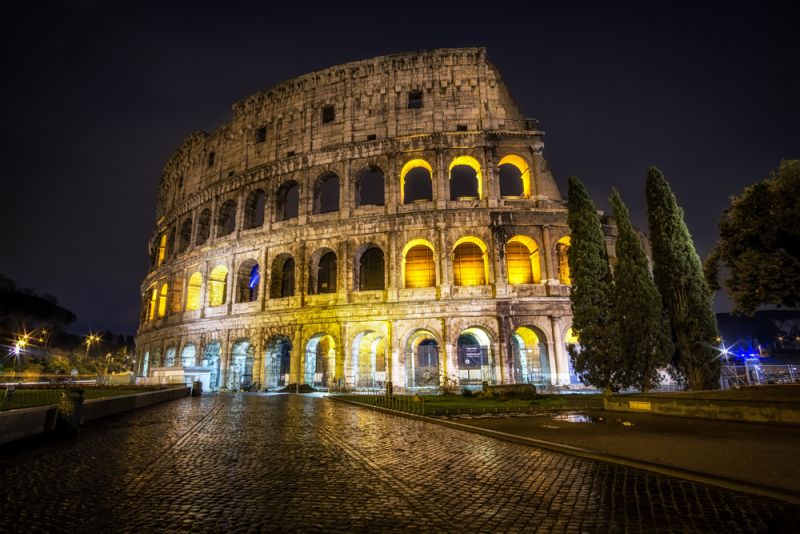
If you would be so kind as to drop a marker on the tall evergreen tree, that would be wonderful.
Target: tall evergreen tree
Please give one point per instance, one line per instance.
(679, 276)
(641, 328)
(597, 360)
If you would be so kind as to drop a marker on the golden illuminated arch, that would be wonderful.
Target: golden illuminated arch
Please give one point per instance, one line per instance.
(570, 338)
(151, 312)
(218, 286)
(419, 267)
(469, 161)
(162, 249)
(193, 292)
(524, 169)
(522, 260)
(408, 167)
(470, 265)
(564, 276)
(162, 300)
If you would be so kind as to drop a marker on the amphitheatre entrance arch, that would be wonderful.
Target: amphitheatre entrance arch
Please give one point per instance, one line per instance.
(320, 364)
(530, 360)
(240, 370)
(368, 365)
(422, 360)
(277, 362)
(211, 356)
(473, 349)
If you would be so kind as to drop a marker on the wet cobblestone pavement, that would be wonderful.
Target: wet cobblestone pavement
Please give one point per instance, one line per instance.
(250, 463)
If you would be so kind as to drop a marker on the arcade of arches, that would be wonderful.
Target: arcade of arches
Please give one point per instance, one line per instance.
(368, 355)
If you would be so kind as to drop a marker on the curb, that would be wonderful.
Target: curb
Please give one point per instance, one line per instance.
(693, 476)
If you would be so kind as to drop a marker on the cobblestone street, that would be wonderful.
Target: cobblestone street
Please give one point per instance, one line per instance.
(251, 462)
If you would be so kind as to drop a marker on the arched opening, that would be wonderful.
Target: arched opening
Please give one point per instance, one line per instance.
(254, 209)
(465, 178)
(177, 294)
(571, 340)
(155, 358)
(211, 359)
(248, 279)
(287, 201)
(419, 269)
(322, 274)
(277, 362)
(171, 242)
(416, 183)
(529, 359)
(371, 268)
(562, 250)
(162, 249)
(240, 370)
(422, 360)
(226, 222)
(326, 193)
(218, 286)
(282, 279)
(370, 183)
(189, 355)
(369, 361)
(474, 357)
(469, 262)
(185, 236)
(203, 227)
(193, 292)
(320, 364)
(151, 311)
(522, 261)
(162, 300)
(169, 357)
(515, 177)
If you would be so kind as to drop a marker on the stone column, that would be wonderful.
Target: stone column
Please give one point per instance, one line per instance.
(297, 360)
(551, 277)
(562, 365)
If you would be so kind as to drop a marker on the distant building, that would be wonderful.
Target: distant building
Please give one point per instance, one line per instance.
(391, 219)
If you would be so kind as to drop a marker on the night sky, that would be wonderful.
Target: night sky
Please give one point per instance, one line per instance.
(97, 97)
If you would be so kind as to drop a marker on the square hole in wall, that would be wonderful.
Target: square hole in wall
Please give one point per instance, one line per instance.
(261, 134)
(461, 127)
(212, 156)
(328, 114)
(414, 99)
(371, 137)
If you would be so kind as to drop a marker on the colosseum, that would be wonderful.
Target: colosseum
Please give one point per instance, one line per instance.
(385, 221)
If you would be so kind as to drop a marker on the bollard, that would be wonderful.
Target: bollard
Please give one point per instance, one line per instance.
(70, 410)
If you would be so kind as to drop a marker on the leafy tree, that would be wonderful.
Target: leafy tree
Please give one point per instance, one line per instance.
(597, 360)
(678, 274)
(641, 328)
(759, 243)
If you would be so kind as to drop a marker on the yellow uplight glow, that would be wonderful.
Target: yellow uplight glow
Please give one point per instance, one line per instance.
(408, 167)
(524, 169)
(564, 276)
(522, 261)
(470, 267)
(419, 269)
(469, 161)
(218, 286)
(193, 292)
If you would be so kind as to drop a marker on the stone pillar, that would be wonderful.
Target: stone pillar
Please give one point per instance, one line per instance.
(551, 276)
(562, 365)
(297, 363)
(224, 360)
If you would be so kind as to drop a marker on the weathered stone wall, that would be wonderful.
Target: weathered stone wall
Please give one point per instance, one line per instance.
(466, 111)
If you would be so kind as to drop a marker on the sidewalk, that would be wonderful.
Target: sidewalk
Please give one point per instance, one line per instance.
(751, 453)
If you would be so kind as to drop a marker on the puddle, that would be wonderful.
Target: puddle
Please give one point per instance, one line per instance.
(577, 417)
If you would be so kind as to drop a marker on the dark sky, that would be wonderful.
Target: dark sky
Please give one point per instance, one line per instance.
(97, 97)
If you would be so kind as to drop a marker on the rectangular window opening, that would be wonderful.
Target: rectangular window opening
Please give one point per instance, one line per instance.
(211, 157)
(261, 134)
(415, 100)
(371, 137)
(328, 114)
(461, 127)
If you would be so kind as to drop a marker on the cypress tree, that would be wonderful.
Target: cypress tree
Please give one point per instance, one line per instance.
(641, 328)
(597, 360)
(678, 274)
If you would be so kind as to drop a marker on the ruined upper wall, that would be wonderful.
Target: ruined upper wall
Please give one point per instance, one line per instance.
(460, 90)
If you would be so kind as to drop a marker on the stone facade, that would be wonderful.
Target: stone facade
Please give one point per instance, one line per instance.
(390, 219)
